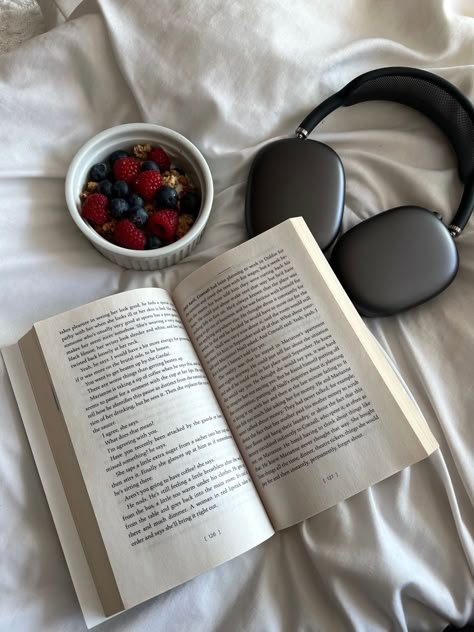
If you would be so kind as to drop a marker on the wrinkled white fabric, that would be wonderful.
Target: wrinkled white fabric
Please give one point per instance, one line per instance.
(232, 76)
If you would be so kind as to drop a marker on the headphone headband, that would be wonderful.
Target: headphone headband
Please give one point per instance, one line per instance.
(426, 92)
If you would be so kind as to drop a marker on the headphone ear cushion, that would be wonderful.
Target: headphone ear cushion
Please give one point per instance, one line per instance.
(291, 178)
(395, 260)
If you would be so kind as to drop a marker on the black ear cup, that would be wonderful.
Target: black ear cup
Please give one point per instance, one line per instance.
(291, 178)
(395, 260)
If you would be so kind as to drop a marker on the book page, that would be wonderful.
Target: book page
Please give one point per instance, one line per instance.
(169, 490)
(317, 410)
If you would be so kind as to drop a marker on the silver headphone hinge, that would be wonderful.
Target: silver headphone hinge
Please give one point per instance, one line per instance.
(301, 133)
(454, 230)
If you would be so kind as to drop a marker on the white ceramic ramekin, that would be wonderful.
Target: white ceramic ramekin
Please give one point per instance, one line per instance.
(180, 149)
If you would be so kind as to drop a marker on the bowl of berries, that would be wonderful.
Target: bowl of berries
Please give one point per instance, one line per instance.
(141, 193)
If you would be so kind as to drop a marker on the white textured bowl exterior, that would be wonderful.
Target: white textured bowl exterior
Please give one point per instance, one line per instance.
(151, 262)
(181, 150)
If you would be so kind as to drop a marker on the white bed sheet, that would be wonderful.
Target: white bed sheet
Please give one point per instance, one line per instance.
(232, 76)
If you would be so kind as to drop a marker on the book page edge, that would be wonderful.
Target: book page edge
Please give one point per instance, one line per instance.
(75, 559)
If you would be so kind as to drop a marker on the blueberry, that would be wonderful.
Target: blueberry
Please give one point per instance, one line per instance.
(120, 153)
(105, 187)
(120, 189)
(134, 200)
(138, 216)
(166, 197)
(119, 208)
(190, 203)
(99, 172)
(153, 242)
(149, 165)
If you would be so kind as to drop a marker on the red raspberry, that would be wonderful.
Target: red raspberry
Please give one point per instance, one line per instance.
(159, 155)
(126, 169)
(96, 208)
(163, 224)
(128, 235)
(147, 184)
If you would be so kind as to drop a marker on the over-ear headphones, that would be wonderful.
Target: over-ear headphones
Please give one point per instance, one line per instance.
(400, 257)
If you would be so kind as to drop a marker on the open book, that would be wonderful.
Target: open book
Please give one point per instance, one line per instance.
(174, 432)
